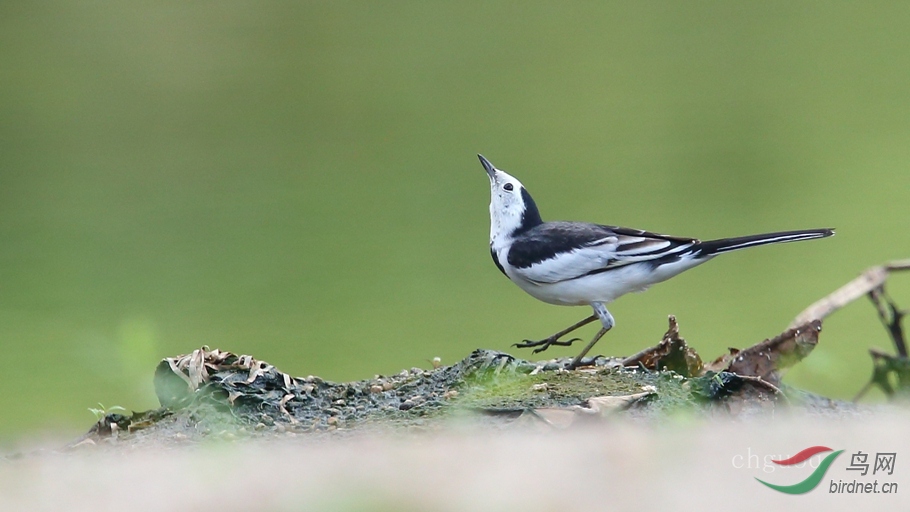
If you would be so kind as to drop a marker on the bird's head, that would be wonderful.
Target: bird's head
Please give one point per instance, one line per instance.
(511, 208)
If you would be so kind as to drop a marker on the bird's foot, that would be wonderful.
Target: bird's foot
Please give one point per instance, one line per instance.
(545, 344)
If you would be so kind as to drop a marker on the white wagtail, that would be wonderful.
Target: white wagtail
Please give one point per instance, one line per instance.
(577, 263)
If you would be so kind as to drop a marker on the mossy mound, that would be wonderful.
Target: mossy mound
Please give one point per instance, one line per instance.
(214, 394)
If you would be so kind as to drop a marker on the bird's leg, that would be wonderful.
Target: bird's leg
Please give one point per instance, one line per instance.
(554, 340)
(606, 319)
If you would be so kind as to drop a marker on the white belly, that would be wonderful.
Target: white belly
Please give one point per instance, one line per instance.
(603, 287)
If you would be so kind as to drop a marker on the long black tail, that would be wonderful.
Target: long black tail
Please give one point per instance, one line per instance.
(712, 247)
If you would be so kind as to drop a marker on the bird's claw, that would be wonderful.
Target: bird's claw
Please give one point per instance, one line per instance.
(545, 344)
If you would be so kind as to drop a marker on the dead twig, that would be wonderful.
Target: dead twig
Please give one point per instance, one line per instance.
(869, 280)
(887, 369)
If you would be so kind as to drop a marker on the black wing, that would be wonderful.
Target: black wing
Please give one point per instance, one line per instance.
(559, 251)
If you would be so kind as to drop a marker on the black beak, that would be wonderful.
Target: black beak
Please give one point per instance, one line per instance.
(488, 166)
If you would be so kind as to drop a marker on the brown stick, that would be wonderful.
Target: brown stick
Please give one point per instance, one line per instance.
(866, 282)
(575, 362)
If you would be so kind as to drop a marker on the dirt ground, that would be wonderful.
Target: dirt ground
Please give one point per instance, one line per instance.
(685, 462)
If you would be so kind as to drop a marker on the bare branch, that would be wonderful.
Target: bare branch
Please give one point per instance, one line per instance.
(869, 280)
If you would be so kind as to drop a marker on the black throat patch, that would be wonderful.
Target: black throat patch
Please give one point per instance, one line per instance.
(531, 216)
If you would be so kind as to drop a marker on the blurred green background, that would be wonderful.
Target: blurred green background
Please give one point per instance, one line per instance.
(298, 180)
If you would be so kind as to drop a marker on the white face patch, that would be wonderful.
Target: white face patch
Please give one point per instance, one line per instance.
(506, 206)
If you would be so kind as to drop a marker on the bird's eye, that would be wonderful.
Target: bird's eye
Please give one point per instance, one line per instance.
(507, 186)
